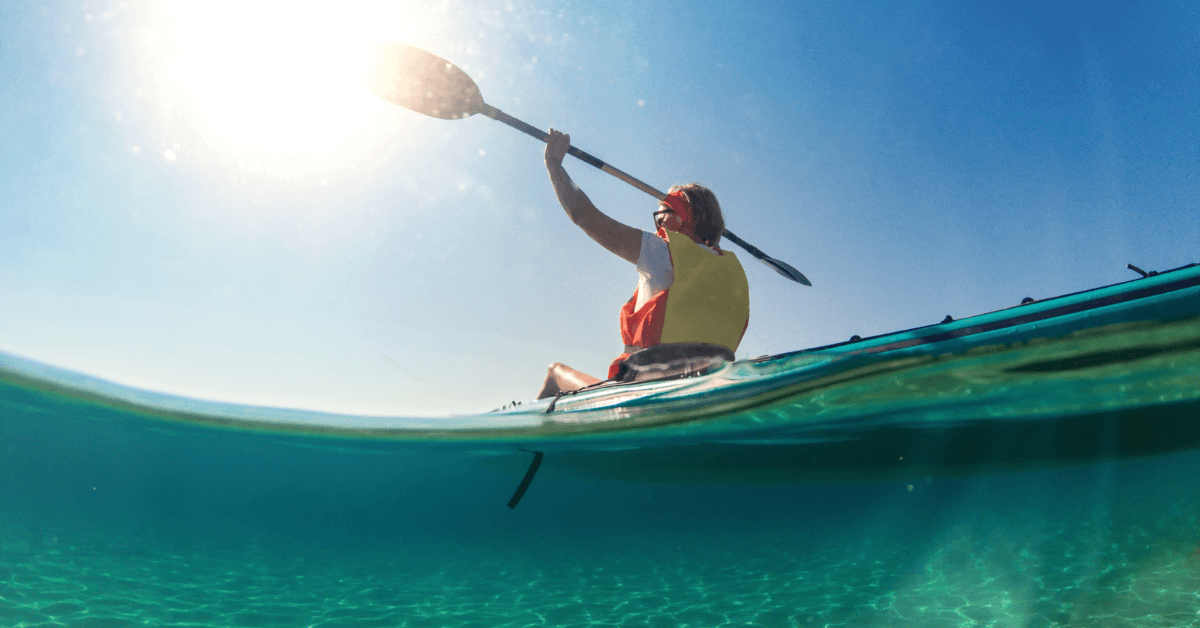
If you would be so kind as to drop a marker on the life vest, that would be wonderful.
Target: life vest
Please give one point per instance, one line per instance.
(709, 301)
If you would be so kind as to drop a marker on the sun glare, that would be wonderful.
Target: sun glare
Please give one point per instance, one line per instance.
(276, 86)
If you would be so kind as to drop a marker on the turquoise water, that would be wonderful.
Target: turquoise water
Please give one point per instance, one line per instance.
(1039, 483)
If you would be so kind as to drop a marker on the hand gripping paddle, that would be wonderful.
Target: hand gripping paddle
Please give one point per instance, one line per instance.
(428, 84)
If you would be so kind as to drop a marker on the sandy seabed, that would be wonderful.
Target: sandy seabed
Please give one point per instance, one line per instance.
(978, 573)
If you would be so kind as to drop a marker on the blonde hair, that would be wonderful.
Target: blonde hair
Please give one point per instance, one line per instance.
(707, 221)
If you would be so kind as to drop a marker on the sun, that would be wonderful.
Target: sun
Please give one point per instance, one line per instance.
(276, 86)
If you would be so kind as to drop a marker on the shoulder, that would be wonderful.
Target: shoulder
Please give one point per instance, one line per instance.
(655, 255)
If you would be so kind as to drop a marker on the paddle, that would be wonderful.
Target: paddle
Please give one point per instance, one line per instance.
(428, 84)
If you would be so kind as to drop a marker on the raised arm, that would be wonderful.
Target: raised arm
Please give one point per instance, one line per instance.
(619, 238)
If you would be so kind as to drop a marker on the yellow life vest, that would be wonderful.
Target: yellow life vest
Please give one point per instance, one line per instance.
(709, 301)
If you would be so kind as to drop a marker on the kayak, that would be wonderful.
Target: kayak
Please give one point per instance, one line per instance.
(1102, 374)
(1158, 297)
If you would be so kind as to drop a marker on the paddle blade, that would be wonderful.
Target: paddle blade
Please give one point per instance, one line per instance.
(785, 269)
(423, 82)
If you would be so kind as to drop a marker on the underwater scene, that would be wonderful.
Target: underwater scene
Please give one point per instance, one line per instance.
(1049, 482)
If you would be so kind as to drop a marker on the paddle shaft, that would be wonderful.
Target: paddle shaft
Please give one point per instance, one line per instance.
(525, 127)
(528, 129)
(587, 158)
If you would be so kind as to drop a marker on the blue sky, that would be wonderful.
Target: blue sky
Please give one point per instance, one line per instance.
(201, 198)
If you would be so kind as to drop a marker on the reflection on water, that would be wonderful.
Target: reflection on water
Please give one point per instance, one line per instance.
(1038, 484)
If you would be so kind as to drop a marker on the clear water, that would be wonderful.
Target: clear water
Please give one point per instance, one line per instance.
(1050, 483)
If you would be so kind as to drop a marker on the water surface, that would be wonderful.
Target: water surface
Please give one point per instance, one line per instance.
(1035, 484)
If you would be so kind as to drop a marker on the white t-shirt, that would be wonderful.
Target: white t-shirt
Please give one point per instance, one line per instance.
(655, 273)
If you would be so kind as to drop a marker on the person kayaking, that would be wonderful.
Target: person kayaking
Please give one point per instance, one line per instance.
(689, 290)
